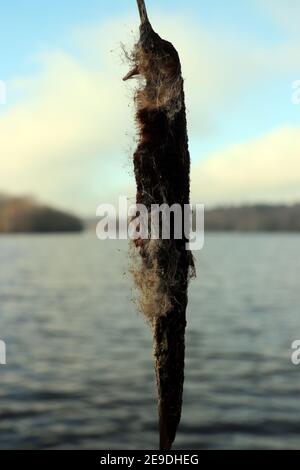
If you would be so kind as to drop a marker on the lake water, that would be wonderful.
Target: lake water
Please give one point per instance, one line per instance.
(80, 372)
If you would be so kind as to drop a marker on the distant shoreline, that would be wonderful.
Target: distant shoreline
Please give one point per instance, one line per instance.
(24, 215)
(260, 218)
(254, 218)
(21, 215)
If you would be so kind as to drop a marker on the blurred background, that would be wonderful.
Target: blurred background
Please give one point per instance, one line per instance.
(79, 371)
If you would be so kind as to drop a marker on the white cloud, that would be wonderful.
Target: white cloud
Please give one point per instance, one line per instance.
(65, 138)
(266, 169)
(70, 118)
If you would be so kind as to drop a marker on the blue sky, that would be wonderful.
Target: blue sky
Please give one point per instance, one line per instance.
(64, 89)
(27, 27)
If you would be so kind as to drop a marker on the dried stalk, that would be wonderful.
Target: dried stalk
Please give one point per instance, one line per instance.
(162, 171)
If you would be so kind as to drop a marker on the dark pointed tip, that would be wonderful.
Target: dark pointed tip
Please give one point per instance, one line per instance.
(165, 440)
(133, 73)
(143, 11)
(164, 443)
